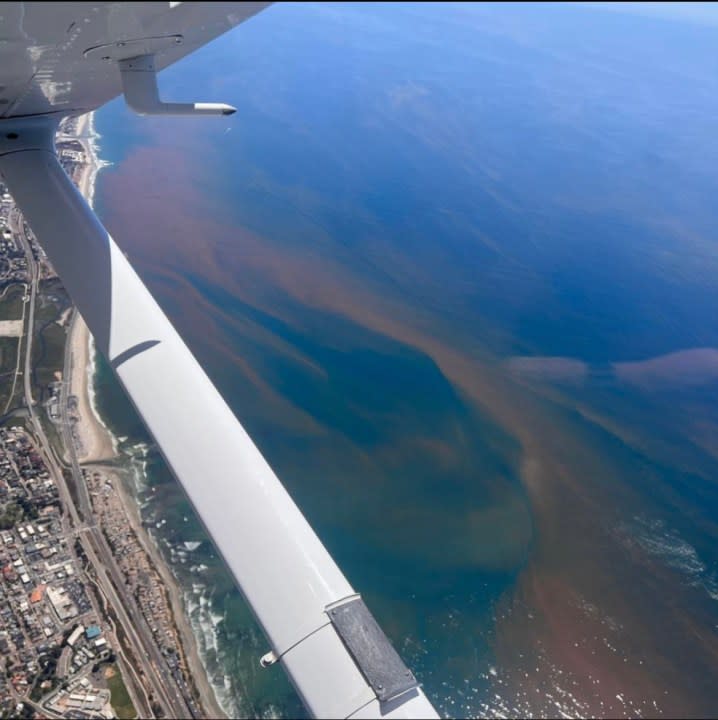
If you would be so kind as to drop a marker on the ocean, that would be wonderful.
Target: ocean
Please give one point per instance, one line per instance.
(454, 268)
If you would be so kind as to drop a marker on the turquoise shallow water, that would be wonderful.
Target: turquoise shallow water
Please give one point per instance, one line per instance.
(396, 527)
(392, 260)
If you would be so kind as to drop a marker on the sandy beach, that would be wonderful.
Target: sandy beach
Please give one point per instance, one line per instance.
(95, 443)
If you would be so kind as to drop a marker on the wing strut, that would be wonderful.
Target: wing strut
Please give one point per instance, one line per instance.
(341, 663)
(139, 84)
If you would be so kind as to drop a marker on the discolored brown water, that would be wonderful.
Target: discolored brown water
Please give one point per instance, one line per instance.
(456, 275)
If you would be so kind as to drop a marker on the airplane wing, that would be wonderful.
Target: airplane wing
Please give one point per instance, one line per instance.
(59, 59)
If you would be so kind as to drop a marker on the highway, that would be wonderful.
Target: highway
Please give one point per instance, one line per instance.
(109, 579)
(55, 467)
(132, 621)
(34, 272)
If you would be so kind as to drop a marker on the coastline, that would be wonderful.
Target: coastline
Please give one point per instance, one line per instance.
(97, 444)
(208, 700)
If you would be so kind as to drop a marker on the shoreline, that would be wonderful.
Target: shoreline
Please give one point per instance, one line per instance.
(98, 444)
(187, 638)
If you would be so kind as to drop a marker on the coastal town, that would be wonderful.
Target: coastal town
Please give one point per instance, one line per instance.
(91, 622)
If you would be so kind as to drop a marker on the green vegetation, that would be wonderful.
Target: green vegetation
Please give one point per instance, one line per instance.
(51, 431)
(8, 356)
(14, 512)
(11, 302)
(120, 698)
(46, 681)
(29, 510)
(8, 363)
(11, 306)
(48, 355)
(48, 350)
(17, 419)
(11, 514)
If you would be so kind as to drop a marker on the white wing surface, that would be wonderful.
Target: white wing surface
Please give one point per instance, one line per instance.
(64, 58)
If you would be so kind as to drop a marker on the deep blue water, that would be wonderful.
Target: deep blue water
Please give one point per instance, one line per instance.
(485, 181)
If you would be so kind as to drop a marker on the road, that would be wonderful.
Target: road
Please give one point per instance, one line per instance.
(33, 271)
(15, 225)
(132, 621)
(55, 467)
(109, 578)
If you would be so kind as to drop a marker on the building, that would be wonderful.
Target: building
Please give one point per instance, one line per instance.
(92, 632)
(62, 604)
(75, 635)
